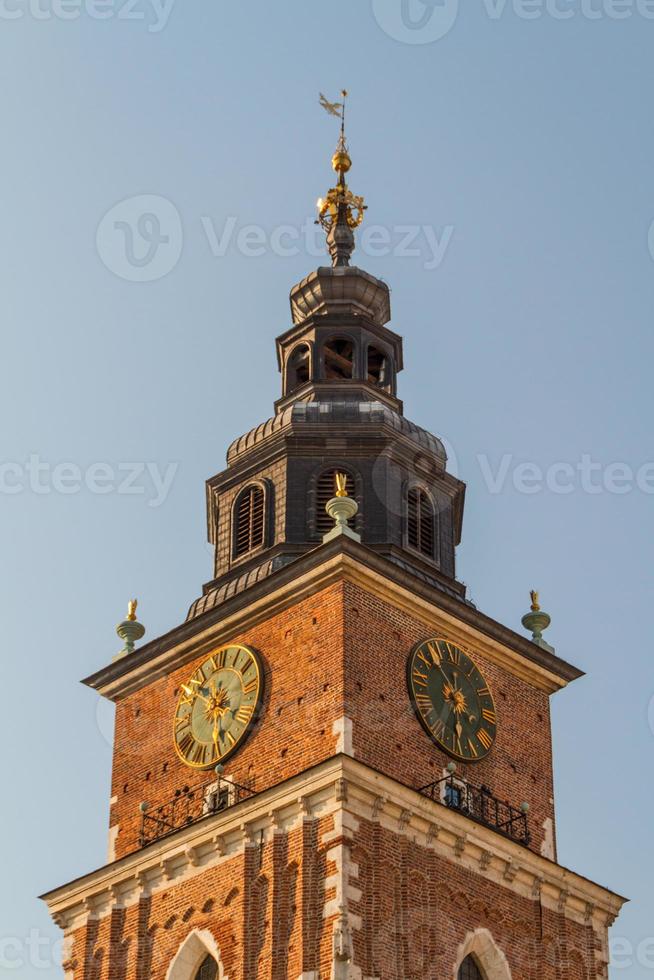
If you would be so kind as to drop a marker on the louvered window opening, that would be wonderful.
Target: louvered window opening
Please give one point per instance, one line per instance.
(249, 521)
(420, 522)
(208, 970)
(325, 490)
(469, 970)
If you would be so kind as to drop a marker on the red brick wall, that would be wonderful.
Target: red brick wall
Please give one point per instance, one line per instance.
(388, 736)
(265, 910)
(342, 651)
(302, 653)
(418, 908)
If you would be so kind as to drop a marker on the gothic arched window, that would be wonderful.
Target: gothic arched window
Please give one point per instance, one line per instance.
(298, 370)
(420, 522)
(469, 970)
(208, 970)
(339, 359)
(249, 520)
(378, 367)
(325, 490)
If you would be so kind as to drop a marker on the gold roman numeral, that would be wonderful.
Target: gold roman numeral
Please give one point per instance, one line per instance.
(419, 678)
(250, 687)
(473, 749)
(483, 692)
(435, 654)
(484, 738)
(244, 714)
(186, 743)
(438, 728)
(489, 716)
(454, 654)
(230, 738)
(197, 753)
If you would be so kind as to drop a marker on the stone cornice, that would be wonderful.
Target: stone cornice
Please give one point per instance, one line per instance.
(339, 785)
(338, 561)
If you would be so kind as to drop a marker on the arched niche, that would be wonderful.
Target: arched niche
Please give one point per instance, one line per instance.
(191, 955)
(249, 512)
(298, 367)
(490, 959)
(378, 366)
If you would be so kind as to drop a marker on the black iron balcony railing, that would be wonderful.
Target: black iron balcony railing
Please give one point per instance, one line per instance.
(479, 804)
(189, 805)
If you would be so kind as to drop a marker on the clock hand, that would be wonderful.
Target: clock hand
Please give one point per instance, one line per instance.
(216, 732)
(191, 694)
(458, 729)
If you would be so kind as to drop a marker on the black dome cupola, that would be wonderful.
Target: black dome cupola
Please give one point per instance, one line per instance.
(338, 412)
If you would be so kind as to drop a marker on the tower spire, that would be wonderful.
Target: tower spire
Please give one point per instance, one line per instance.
(341, 211)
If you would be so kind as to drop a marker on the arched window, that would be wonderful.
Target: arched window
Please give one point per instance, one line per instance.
(339, 359)
(298, 370)
(325, 490)
(378, 367)
(469, 970)
(249, 520)
(420, 522)
(208, 969)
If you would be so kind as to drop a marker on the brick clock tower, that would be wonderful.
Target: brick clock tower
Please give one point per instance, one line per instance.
(336, 767)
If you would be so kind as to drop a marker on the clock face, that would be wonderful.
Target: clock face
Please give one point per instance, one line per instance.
(217, 706)
(452, 699)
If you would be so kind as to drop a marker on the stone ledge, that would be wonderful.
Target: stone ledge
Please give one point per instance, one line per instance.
(351, 792)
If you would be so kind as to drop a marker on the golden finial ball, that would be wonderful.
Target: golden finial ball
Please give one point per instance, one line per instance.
(341, 162)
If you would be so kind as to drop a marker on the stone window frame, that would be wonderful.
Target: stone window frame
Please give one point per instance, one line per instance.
(191, 954)
(490, 958)
(267, 487)
(452, 780)
(339, 465)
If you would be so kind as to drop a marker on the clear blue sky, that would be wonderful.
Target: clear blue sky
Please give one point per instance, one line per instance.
(525, 147)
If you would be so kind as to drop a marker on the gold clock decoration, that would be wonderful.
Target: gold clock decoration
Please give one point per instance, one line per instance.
(452, 699)
(218, 706)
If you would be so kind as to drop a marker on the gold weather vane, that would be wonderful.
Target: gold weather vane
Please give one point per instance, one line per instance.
(333, 108)
(341, 211)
